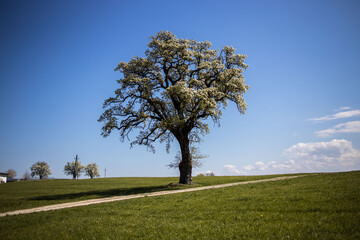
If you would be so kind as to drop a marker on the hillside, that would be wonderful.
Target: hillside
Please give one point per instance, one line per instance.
(323, 206)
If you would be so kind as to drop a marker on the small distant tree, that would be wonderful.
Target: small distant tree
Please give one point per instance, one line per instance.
(11, 172)
(26, 176)
(209, 174)
(41, 169)
(74, 168)
(92, 170)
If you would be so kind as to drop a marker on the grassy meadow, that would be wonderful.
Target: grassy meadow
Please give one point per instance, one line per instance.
(323, 206)
(29, 194)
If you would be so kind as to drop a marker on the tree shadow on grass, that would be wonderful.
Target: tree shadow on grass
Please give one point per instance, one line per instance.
(106, 193)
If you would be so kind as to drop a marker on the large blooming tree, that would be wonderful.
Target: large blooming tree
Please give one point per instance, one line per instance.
(170, 93)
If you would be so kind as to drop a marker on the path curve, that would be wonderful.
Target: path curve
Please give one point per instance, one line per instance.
(126, 197)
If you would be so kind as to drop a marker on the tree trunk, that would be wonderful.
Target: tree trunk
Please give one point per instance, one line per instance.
(185, 166)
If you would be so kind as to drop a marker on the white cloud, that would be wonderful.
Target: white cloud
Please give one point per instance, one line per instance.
(323, 156)
(231, 170)
(342, 109)
(339, 115)
(260, 168)
(348, 127)
(335, 155)
(270, 167)
(248, 168)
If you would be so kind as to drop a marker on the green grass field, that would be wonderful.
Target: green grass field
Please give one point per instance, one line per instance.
(323, 206)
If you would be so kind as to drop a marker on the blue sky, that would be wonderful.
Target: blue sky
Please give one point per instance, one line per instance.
(56, 69)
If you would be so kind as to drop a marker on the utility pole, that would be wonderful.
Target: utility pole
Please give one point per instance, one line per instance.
(105, 172)
(76, 166)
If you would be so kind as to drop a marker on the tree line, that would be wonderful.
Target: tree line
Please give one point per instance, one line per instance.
(75, 168)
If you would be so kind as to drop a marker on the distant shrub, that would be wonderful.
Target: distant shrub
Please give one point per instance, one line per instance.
(209, 174)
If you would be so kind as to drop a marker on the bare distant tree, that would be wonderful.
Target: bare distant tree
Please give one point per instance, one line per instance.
(26, 176)
(195, 156)
(11, 172)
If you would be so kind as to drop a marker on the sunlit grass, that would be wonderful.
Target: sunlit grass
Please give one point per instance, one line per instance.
(324, 206)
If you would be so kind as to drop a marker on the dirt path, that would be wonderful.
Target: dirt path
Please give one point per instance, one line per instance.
(120, 198)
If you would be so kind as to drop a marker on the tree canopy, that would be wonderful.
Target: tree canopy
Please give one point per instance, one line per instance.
(172, 91)
(74, 168)
(92, 170)
(41, 169)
